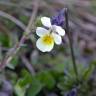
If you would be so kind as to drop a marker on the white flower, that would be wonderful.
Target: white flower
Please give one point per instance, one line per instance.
(48, 36)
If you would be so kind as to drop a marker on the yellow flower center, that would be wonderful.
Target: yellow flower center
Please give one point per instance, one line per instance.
(47, 39)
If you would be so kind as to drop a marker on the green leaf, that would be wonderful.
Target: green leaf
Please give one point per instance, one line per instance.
(94, 63)
(88, 71)
(13, 63)
(47, 79)
(26, 78)
(66, 83)
(19, 90)
(34, 88)
(9, 24)
(4, 40)
(23, 83)
(38, 22)
(24, 19)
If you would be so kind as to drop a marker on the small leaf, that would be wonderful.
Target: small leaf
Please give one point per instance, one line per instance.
(19, 90)
(4, 40)
(34, 88)
(47, 79)
(38, 22)
(9, 24)
(66, 83)
(26, 78)
(88, 71)
(24, 19)
(13, 63)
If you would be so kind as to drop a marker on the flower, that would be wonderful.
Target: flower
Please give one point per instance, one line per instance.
(58, 19)
(49, 35)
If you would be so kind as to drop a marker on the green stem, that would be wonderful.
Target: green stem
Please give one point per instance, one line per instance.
(70, 42)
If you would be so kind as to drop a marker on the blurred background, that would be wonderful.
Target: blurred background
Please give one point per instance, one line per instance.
(33, 73)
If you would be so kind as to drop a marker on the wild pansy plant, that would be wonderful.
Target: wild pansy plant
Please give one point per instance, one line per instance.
(49, 34)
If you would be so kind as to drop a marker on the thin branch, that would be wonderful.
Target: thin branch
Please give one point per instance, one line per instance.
(70, 42)
(13, 19)
(17, 47)
(33, 16)
(10, 4)
(28, 65)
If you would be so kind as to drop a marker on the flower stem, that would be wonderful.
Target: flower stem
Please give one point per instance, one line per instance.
(70, 42)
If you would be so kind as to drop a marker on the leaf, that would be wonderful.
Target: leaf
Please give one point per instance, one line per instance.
(26, 78)
(13, 63)
(4, 39)
(88, 71)
(9, 24)
(65, 83)
(24, 19)
(38, 22)
(34, 88)
(19, 90)
(47, 79)
(23, 83)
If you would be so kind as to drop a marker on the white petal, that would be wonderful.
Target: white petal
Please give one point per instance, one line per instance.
(46, 21)
(41, 31)
(57, 38)
(60, 30)
(43, 47)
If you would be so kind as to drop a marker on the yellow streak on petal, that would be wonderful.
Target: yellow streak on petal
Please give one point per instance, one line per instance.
(47, 39)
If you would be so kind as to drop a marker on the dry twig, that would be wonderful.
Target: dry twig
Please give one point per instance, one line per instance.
(28, 65)
(13, 19)
(10, 54)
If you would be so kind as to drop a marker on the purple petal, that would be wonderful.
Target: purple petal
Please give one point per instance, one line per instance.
(59, 19)
(73, 92)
